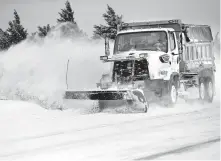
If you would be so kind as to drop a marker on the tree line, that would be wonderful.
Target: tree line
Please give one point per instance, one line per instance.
(15, 33)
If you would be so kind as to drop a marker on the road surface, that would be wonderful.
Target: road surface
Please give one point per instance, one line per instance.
(187, 131)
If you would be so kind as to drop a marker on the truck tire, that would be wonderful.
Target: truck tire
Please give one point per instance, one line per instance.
(206, 90)
(172, 95)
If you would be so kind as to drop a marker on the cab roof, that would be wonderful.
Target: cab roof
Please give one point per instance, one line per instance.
(143, 30)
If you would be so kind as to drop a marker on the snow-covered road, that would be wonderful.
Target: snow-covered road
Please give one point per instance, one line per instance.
(29, 132)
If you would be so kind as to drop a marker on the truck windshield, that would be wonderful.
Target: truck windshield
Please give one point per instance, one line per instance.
(151, 40)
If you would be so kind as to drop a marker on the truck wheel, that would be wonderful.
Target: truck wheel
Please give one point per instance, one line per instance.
(172, 94)
(206, 90)
(202, 89)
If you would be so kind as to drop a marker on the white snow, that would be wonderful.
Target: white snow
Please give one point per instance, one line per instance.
(30, 132)
(34, 133)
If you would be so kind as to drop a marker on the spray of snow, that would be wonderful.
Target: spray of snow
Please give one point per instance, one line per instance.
(37, 71)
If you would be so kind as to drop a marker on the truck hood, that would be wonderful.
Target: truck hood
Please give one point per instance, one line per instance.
(136, 54)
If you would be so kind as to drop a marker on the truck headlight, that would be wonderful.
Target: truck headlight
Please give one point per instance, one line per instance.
(164, 58)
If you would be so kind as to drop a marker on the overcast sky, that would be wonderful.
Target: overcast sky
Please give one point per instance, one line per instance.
(89, 12)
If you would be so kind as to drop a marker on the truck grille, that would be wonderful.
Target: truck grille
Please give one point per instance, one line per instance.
(123, 70)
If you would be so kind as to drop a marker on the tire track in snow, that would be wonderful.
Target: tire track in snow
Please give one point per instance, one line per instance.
(179, 150)
(70, 143)
(98, 127)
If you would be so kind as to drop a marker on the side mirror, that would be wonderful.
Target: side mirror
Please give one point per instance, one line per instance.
(107, 46)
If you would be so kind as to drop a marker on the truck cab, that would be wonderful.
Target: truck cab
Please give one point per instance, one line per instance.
(158, 45)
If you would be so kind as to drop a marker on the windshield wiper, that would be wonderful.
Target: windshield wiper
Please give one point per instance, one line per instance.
(147, 49)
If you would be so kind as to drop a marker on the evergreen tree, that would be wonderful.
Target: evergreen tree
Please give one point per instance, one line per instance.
(43, 31)
(67, 14)
(4, 40)
(112, 20)
(16, 31)
(70, 28)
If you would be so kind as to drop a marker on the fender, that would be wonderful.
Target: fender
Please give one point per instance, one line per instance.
(206, 72)
(173, 77)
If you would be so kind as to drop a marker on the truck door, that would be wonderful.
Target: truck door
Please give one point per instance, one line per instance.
(173, 48)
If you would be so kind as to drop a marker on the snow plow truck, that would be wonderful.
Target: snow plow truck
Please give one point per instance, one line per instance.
(156, 61)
